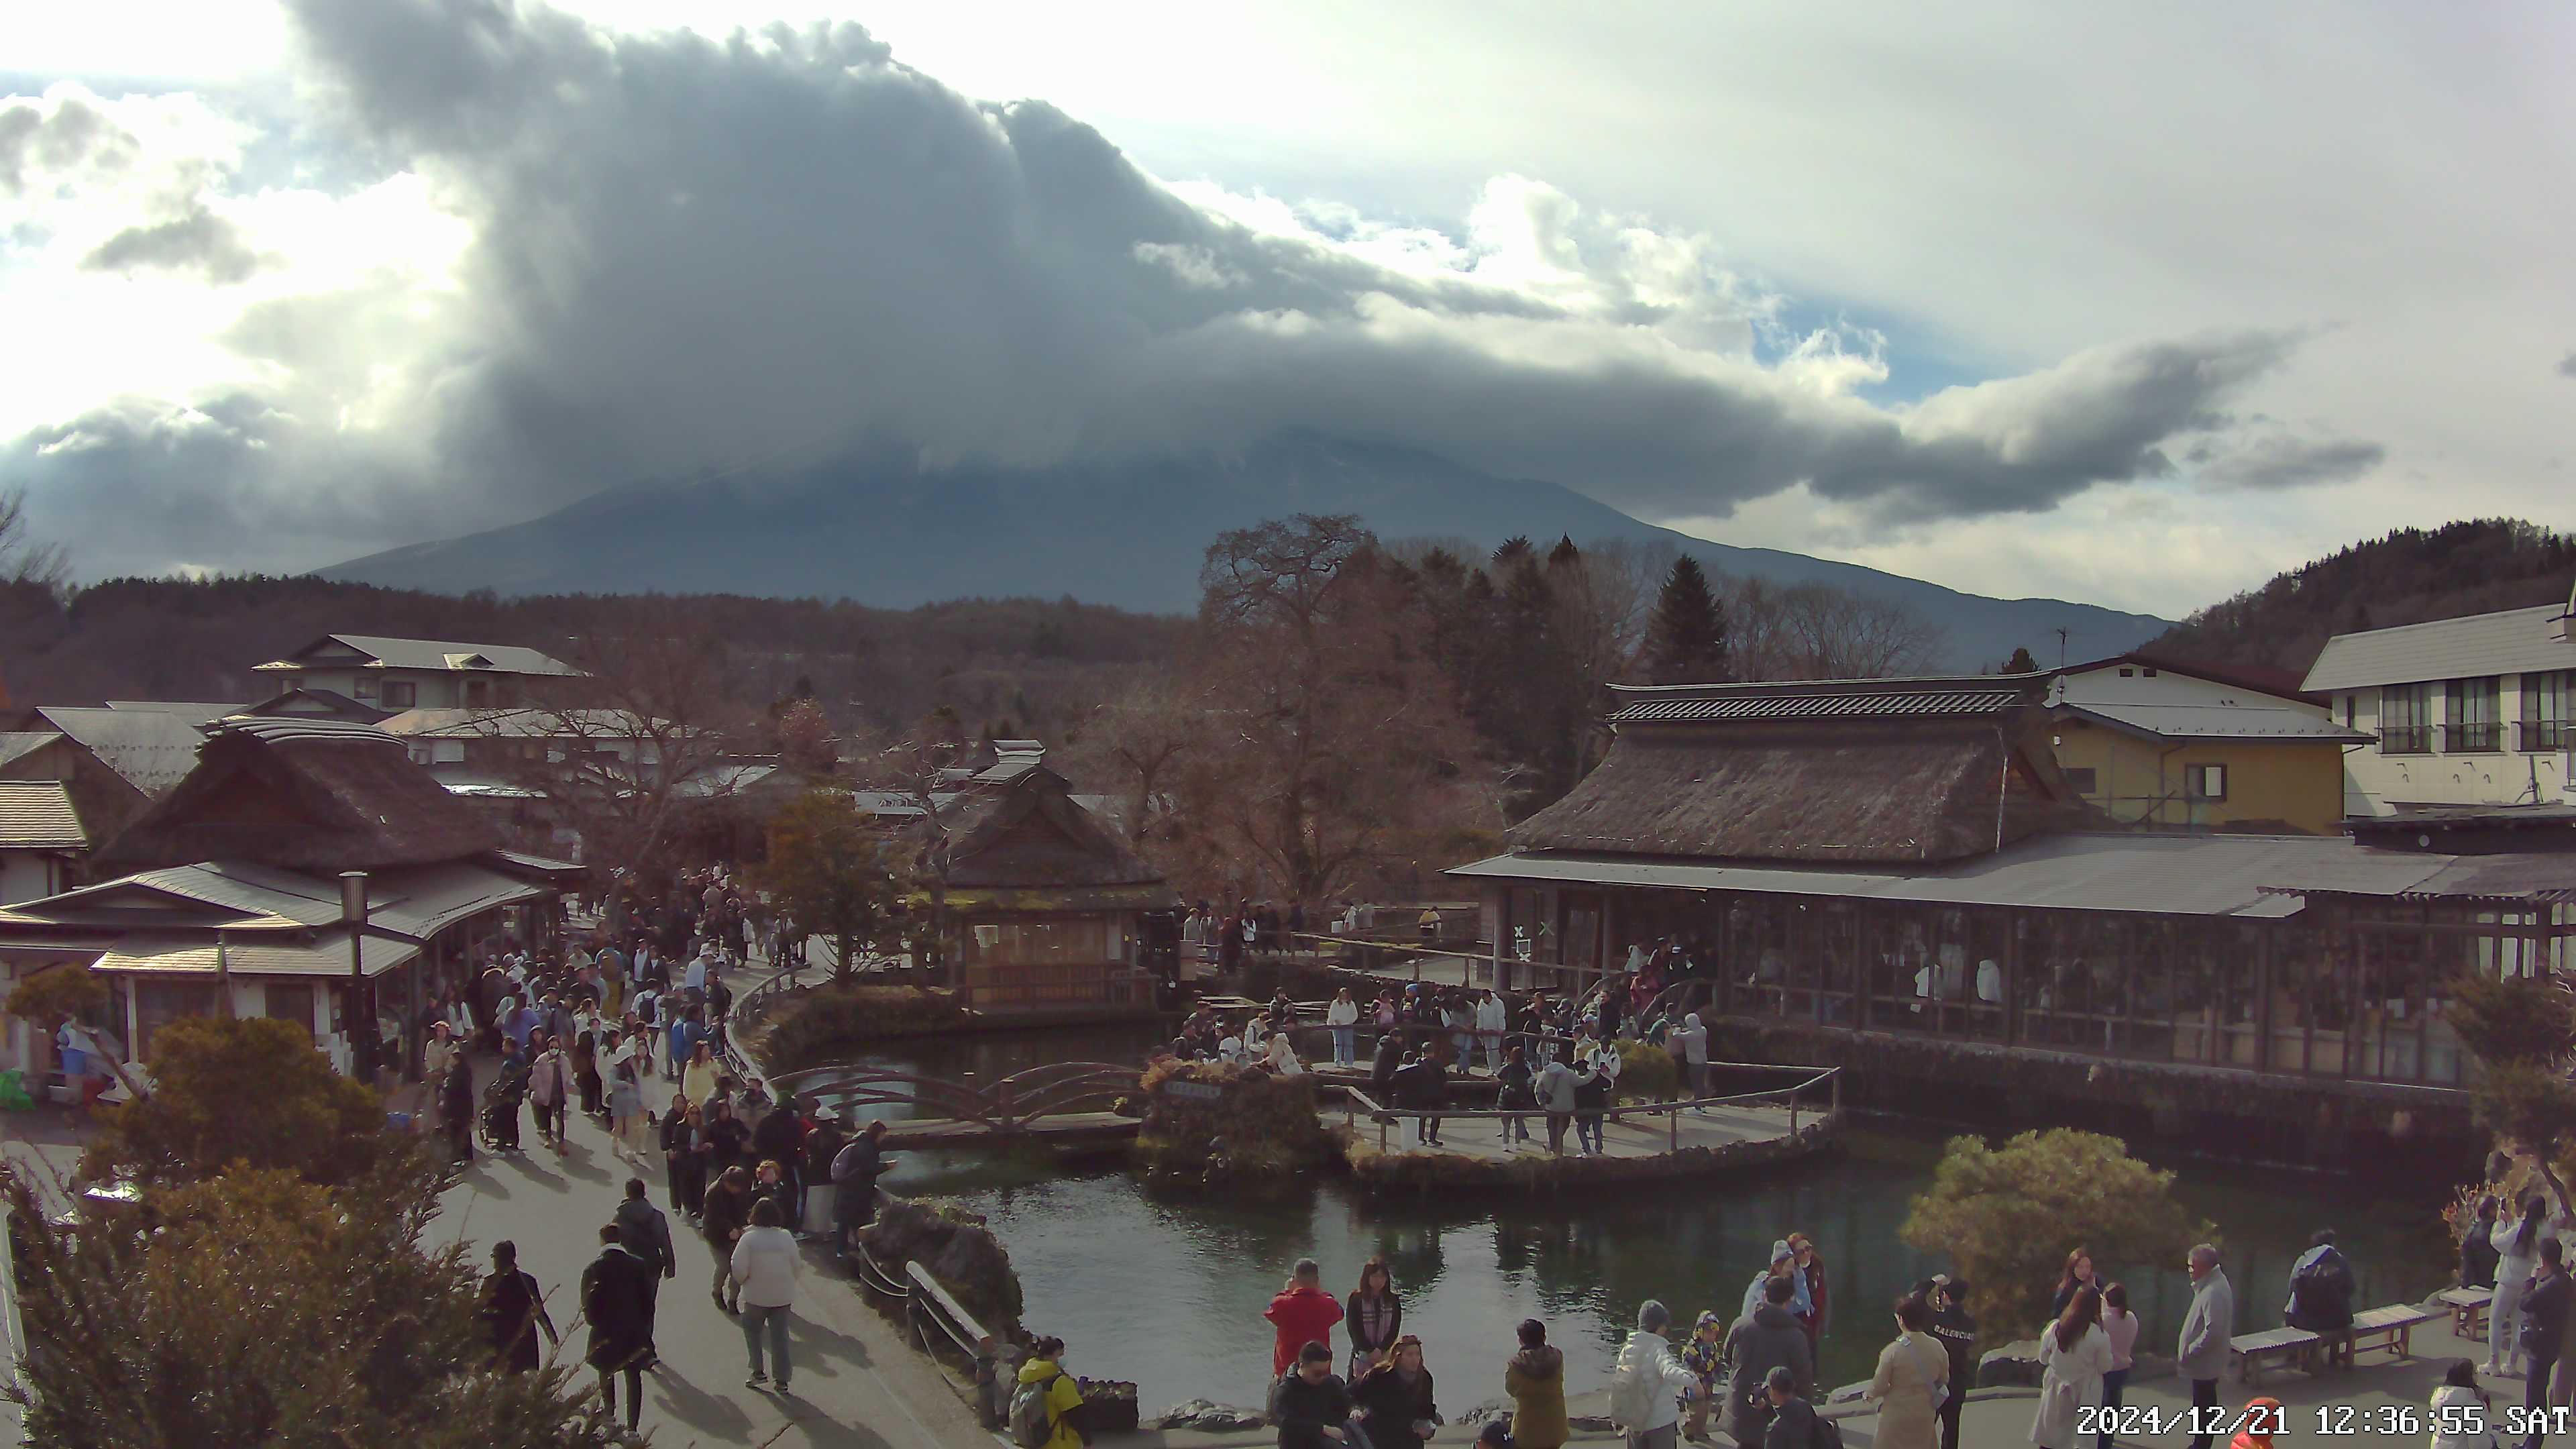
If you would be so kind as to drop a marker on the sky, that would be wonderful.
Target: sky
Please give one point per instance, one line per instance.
(2134, 307)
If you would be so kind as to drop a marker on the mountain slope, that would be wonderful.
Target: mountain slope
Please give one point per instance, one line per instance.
(2409, 576)
(874, 527)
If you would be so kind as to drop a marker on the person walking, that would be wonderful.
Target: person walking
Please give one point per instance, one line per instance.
(1397, 1404)
(513, 1309)
(725, 1212)
(1535, 1379)
(509, 1089)
(646, 1233)
(625, 1111)
(1310, 1406)
(2517, 1245)
(456, 1108)
(1592, 1094)
(1068, 1422)
(1648, 1385)
(1493, 1019)
(2120, 1328)
(549, 1090)
(1373, 1317)
(1912, 1376)
(2200, 1353)
(1343, 1017)
(1514, 1094)
(698, 1079)
(1956, 1330)
(1768, 1337)
(1688, 1043)
(855, 1170)
(2074, 1354)
(585, 1064)
(617, 1298)
(1556, 1089)
(764, 1264)
(1301, 1313)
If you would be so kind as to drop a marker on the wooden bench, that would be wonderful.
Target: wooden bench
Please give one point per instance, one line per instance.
(2391, 1329)
(2251, 1349)
(2468, 1310)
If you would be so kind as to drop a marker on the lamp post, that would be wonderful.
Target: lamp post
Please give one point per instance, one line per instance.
(362, 1025)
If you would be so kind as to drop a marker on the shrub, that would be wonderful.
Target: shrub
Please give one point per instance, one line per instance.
(1648, 1073)
(954, 1245)
(2008, 1216)
(1267, 1121)
(809, 1027)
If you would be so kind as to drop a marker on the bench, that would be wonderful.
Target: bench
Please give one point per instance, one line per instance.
(2468, 1308)
(2391, 1328)
(2251, 1349)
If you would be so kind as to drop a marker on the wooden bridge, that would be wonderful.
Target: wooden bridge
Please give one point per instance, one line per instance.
(1064, 1103)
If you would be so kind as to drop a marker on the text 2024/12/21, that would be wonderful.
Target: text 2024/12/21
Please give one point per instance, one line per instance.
(2509, 1421)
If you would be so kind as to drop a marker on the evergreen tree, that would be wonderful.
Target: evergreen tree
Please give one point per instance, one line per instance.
(2021, 663)
(1686, 638)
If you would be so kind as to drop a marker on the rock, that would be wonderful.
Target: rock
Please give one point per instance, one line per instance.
(1207, 1416)
(2015, 1365)
(1590, 1423)
(1477, 1417)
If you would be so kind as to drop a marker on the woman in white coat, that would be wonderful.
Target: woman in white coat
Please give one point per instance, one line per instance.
(2074, 1354)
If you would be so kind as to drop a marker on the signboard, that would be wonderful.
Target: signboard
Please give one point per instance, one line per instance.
(1182, 1090)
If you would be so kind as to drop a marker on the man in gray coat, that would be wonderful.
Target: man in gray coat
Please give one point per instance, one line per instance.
(2201, 1355)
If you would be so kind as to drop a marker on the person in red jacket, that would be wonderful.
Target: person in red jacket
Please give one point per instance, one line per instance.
(1303, 1313)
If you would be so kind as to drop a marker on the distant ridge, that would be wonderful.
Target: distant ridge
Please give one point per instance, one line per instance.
(876, 528)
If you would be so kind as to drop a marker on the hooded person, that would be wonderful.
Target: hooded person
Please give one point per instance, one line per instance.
(1535, 1378)
(1769, 1337)
(1647, 1362)
(2262, 1415)
(1705, 1357)
(1784, 1264)
(1688, 1043)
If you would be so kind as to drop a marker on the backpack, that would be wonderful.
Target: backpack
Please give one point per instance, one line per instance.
(1828, 1434)
(1632, 1392)
(2321, 1294)
(1032, 1418)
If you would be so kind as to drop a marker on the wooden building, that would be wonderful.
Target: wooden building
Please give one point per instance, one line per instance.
(1040, 908)
(1894, 874)
(231, 894)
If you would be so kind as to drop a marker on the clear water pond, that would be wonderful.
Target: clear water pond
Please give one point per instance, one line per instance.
(1167, 1290)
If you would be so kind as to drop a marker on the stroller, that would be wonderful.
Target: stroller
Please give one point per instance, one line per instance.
(498, 1123)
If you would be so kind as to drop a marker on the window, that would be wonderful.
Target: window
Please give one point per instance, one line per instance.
(2406, 719)
(2544, 710)
(2471, 721)
(2081, 781)
(2205, 782)
(2346, 701)
(365, 688)
(478, 693)
(290, 1001)
(399, 693)
(447, 752)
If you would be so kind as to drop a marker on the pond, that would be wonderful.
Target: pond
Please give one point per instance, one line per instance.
(1168, 1290)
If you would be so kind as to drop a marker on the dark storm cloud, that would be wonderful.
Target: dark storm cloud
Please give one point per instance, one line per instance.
(700, 253)
(198, 240)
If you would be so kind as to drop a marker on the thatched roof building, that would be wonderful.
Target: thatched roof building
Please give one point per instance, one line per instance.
(1018, 826)
(1848, 772)
(305, 795)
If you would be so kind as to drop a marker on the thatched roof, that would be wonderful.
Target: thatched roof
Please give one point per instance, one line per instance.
(1866, 790)
(1028, 831)
(306, 795)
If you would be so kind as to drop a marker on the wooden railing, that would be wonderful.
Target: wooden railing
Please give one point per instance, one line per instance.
(1006, 1106)
(938, 1321)
(1356, 1101)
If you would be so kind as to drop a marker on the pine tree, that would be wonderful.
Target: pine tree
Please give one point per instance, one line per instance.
(2021, 662)
(1686, 638)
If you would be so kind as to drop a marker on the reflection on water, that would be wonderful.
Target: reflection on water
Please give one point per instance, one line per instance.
(1168, 1291)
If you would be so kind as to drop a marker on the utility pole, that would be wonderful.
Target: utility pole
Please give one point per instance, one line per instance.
(361, 1021)
(2061, 646)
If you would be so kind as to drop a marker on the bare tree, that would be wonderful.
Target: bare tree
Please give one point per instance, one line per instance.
(1134, 746)
(25, 563)
(1818, 631)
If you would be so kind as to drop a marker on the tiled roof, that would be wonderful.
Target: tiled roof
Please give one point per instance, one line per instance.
(1890, 703)
(38, 815)
(433, 654)
(254, 953)
(2516, 641)
(148, 749)
(2221, 722)
(15, 743)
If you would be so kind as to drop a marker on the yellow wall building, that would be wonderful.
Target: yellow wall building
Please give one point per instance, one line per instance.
(2180, 747)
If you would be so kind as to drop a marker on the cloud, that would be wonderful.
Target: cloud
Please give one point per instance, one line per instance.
(2277, 460)
(676, 254)
(199, 239)
(2567, 365)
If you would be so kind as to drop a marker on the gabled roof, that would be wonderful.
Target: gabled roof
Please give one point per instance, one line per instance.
(2262, 679)
(38, 815)
(2515, 641)
(148, 749)
(18, 744)
(195, 712)
(305, 795)
(1919, 698)
(307, 703)
(249, 953)
(1027, 832)
(382, 652)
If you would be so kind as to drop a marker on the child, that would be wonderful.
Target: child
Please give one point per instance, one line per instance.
(1704, 1356)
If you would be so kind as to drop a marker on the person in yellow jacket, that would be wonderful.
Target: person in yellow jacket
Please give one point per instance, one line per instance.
(1064, 1397)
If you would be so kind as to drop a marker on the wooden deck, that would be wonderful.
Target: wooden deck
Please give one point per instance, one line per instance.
(1062, 1128)
(1633, 1139)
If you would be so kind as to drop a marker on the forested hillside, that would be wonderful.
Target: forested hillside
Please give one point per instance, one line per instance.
(1025, 662)
(2407, 577)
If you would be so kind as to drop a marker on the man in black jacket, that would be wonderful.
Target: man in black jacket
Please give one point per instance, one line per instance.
(617, 1298)
(1311, 1406)
(1762, 1343)
(855, 1170)
(1947, 1298)
(1424, 1087)
(1793, 1419)
(780, 1138)
(647, 1235)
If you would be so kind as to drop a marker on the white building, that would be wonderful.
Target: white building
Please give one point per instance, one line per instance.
(2468, 712)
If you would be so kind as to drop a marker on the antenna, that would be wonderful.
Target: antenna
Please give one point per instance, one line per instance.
(2061, 646)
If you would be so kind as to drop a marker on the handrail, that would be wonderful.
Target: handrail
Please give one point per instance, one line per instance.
(1386, 1117)
(928, 1304)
